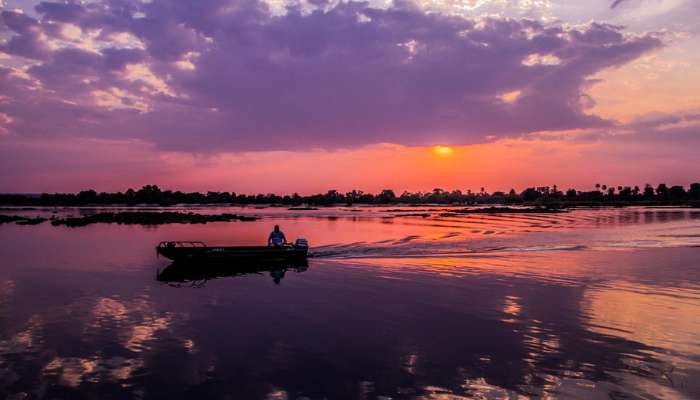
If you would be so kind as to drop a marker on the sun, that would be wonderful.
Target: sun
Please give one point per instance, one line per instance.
(443, 150)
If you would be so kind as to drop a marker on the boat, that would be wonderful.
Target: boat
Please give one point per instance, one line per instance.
(194, 251)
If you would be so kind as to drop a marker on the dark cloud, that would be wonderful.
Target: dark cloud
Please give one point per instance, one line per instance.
(216, 74)
(28, 39)
(63, 11)
(617, 3)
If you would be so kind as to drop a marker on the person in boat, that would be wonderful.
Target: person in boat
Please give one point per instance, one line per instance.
(276, 238)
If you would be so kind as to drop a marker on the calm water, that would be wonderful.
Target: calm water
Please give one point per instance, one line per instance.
(591, 304)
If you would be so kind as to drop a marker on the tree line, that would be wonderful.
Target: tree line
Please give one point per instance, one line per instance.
(543, 195)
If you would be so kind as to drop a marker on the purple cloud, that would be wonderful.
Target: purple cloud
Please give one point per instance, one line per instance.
(617, 3)
(212, 74)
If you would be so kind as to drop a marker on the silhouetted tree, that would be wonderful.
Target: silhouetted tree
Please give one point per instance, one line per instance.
(676, 193)
(530, 194)
(662, 191)
(625, 193)
(648, 192)
(694, 191)
(387, 196)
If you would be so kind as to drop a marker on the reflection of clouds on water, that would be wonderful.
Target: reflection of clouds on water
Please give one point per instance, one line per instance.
(134, 320)
(539, 360)
(109, 308)
(26, 339)
(479, 388)
(109, 318)
(139, 323)
(422, 316)
(73, 371)
(122, 369)
(142, 333)
(277, 394)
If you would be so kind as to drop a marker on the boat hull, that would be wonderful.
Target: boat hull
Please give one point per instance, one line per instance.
(199, 252)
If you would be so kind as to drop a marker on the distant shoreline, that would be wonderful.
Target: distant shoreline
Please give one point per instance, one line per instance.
(554, 206)
(545, 196)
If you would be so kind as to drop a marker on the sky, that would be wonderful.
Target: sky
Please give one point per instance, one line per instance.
(306, 96)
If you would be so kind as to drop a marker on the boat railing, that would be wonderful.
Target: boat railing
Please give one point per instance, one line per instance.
(181, 243)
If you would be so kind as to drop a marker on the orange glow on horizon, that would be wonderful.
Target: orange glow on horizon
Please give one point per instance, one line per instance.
(499, 165)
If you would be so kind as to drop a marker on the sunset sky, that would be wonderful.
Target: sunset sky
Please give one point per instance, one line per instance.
(305, 96)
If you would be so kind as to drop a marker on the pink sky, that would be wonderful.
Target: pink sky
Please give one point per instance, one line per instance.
(349, 96)
(118, 165)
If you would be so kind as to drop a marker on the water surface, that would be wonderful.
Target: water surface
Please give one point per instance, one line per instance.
(586, 304)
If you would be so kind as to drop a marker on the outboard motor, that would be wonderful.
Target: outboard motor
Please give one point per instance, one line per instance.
(301, 243)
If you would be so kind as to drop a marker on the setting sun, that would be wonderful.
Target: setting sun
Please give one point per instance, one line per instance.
(443, 150)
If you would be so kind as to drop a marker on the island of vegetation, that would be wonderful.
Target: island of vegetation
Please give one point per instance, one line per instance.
(544, 196)
(20, 220)
(148, 218)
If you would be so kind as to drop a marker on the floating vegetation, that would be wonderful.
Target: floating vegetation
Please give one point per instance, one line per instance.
(20, 220)
(149, 218)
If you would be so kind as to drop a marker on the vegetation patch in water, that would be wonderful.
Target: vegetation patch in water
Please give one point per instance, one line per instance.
(149, 218)
(19, 220)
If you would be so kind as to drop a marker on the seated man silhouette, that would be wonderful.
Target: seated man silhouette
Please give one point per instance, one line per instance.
(276, 238)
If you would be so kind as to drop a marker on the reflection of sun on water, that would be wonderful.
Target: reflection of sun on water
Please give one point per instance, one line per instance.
(443, 150)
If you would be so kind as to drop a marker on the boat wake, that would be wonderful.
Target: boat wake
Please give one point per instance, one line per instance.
(415, 247)
(455, 247)
(486, 234)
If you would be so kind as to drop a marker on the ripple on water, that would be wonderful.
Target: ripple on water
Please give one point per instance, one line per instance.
(584, 304)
